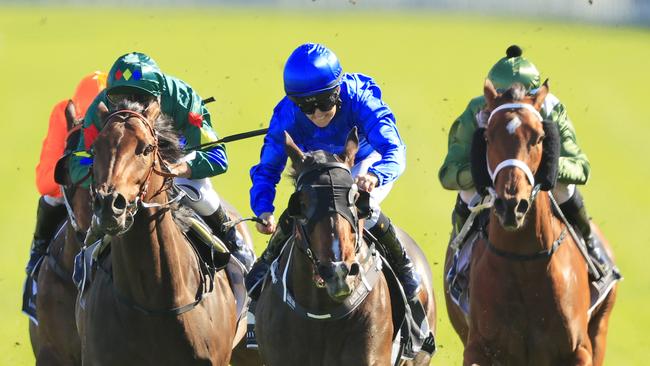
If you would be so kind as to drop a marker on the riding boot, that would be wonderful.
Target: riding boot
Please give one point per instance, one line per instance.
(576, 213)
(48, 219)
(272, 251)
(385, 233)
(230, 236)
(460, 215)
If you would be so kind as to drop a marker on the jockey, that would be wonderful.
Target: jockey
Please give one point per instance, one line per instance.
(321, 106)
(574, 167)
(137, 77)
(51, 210)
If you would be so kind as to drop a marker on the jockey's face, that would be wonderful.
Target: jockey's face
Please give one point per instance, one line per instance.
(322, 118)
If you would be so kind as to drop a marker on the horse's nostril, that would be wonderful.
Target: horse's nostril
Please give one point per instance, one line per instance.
(354, 269)
(522, 207)
(119, 203)
(500, 205)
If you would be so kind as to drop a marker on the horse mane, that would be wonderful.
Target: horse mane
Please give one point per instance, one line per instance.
(516, 92)
(168, 138)
(311, 158)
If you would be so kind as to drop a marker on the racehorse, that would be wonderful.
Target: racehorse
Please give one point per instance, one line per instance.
(55, 340)
(333, 306)
(152, 300)
(529, 288)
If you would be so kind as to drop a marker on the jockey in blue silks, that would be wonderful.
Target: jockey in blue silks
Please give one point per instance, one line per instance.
(321, 106)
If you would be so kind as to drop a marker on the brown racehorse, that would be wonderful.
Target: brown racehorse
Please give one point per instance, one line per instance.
(151, 301)
(529, 287)
(55, 340)
(325, 264)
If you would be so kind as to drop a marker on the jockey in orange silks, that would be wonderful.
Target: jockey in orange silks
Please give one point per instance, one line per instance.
(51, 209)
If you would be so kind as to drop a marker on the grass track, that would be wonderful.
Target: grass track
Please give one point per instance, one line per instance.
(429, 66)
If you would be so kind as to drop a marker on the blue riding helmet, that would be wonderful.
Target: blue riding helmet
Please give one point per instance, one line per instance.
(311, 69)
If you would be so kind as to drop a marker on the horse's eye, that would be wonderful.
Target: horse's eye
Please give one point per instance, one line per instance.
(147, 150)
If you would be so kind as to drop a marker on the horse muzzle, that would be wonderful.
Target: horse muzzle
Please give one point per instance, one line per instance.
(511, 212)
(338, 278)
(111, 211)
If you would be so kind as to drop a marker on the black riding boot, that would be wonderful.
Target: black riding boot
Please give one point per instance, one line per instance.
(230, 236)
(576, 213)
(460, 215)
(272, 251)
(48, 219)
(385, 233)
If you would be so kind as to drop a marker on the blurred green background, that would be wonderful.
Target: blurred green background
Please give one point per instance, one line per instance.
(429, 65)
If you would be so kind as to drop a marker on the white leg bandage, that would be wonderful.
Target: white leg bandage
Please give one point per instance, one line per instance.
(563, 192)
(378, 194)
(202, 197)
(53, 201)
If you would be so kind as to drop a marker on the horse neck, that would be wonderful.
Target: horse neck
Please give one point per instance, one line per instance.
(541, 228)
(152, 263)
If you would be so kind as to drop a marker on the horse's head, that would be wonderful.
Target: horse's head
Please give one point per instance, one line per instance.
(516, 154)
(329, 212)
(126, 152)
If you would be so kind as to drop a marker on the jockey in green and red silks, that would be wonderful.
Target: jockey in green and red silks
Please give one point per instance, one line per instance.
(137, 77)
(574, 167)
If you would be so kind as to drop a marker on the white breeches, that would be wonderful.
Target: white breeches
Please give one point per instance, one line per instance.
(378, 194)
(53, 201)
(202, 197)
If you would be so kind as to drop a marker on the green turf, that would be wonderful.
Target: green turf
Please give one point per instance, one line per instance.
(428, 65)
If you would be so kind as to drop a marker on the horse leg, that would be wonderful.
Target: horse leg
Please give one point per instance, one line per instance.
(582, 356)
(474, 355)
(598, 326)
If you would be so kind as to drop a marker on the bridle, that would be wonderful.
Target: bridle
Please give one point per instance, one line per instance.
(522, 165)
(122, 116)
(303, 220)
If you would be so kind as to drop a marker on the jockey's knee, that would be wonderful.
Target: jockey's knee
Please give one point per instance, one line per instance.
(563, 192)
(53, 201)
(374, 217)
(202, 198)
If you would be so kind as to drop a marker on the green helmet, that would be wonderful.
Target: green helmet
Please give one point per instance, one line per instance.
(514, 68)
(135, 70)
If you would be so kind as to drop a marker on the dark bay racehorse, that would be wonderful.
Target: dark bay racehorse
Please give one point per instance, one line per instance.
(151, 302)
(55, 340)
(326, 267)
(529, 286)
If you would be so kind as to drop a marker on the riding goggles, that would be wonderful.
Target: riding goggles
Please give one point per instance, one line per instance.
(324, 101)
(116, 98)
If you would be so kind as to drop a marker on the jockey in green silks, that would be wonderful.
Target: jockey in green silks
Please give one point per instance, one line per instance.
(137, 77)
(574, 167)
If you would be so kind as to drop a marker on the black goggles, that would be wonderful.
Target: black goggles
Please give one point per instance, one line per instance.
(324, 101)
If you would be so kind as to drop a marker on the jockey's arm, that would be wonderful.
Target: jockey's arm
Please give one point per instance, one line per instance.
(455, 173)
(80, 162)
(574, 165)
(194, 121)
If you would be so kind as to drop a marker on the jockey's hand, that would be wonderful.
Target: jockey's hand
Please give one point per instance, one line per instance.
(182, 170)
(266, 229)
(366, 182)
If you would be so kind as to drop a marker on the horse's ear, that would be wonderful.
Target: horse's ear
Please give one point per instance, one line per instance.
(293, 151)
(490, 94)
(541, 94)
(351, 147)
(70, 115)
(152, 111)
(102, 111)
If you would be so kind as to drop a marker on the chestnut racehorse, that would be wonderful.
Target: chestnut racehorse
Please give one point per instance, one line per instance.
(529, 285)
(55, 340)
(151, 301)
(335, 308)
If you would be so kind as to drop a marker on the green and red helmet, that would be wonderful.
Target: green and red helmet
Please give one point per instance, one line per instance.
(514, 68)
(135, 73)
